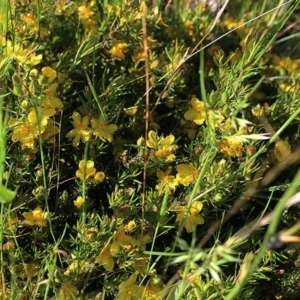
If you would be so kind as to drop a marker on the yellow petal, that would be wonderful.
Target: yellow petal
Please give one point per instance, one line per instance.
(282, 150)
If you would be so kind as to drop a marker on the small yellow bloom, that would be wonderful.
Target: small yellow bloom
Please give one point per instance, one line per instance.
(51, 103)
(77, 266)
(139, 54)
(259, 111)
(78, 202)
(86, 169)
(163, 147)
(26, 132)
(121, 240)
(142, 240)
(81, 130)
(151, 292)
(36, 217)
(118, 50)
(11, 224)
(197, 113)
(232, 147)
(131, 111)
(50, 131)
(192, 218)
(131, 226)
(102, 130)
(105, 259)
(86, 15)
(99, 177)
(214, 118)
(49, 73)
(186, 174)
(128, 290)
(8, 246)
(166, 182)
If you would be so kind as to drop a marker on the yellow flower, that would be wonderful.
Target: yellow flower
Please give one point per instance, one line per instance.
(197, 113)
(48, 75)
(99, 177)
(11, 224)
(37, 117)
(78, 202)
(105, 259)
(31, 22)
(151, 292)
(139, 54)
(128, 290)
(102, 130)
(50, 131)
(51, 103)
(166, 182)
(86, 168)
(214, 118)
(26, 132)
(36, 217)
(131, 226)
(8, 246)
(68, 291)
(140, 263)
(86, 15)
(285, 65)
(192, 218)
(142, 240)
(260, 111)
(121, 239)
(77, 266)
(130, 111)
(81, 130)
(118, 50)
(232, 147)
(186, 174)
(163, 148)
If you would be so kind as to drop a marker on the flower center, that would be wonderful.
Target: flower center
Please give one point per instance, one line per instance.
(25, 129)
(81, 127)
(101, 125)
(199, 107)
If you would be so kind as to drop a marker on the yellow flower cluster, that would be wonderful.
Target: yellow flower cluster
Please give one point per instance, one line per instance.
(86, 170)
(36, 217)
(129, 290)
(82, 132)
(122, 242)
(87, 15)
(31, 23)
(37, 122)
(186, 174)
(285, 66)
(162, 148)
(118, 49)
(192, 218)
(25, 57)
(201, 112)
(232, 147)
(77, 266)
